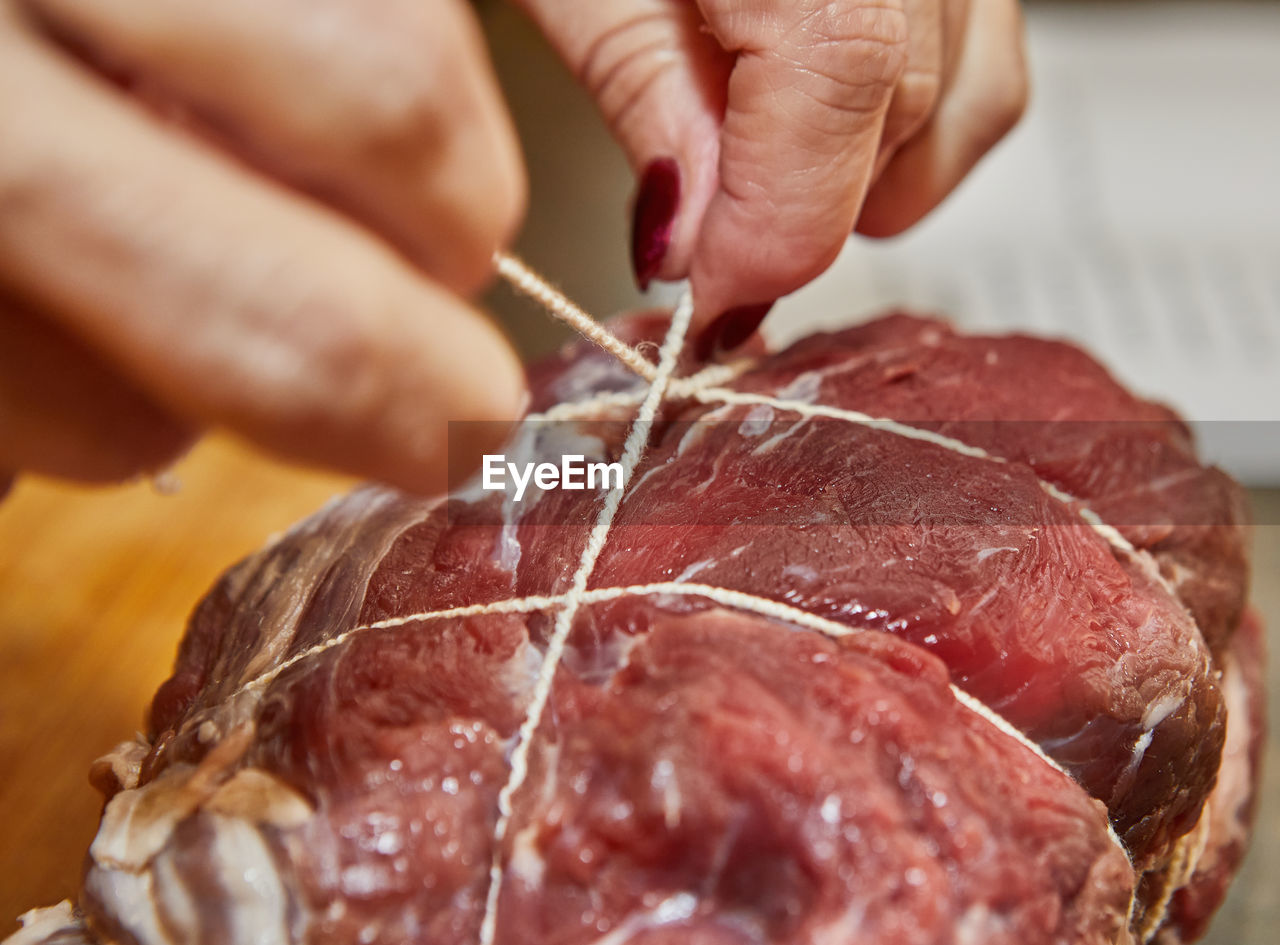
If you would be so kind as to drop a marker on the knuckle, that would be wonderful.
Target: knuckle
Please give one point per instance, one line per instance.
(883, 23)
(398, 114)
(867, 40)
(857, 52)
(412, 81)
(481, 216)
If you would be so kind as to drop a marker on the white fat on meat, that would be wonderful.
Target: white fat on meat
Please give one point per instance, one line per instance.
(358, 531)
(527, 863)
(674, 908)
(138, 823)
(41, 924)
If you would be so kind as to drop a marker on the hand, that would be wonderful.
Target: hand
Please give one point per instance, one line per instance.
(252, 214)
(765, 130)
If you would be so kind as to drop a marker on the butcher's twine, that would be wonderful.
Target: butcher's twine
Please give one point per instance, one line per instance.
(632, 451)
(704, 385)
(662, 383)
(527, 282)
(524, 280)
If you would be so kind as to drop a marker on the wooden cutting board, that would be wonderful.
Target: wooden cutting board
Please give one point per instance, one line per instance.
(95, 587)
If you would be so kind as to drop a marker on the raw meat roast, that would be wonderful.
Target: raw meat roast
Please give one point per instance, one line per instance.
(895, 636)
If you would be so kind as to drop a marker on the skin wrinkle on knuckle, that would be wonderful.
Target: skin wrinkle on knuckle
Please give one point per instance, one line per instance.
(850, 71)
(627, 86)
(884, 22)
(279, 345)
(864, 44)
(620, 62)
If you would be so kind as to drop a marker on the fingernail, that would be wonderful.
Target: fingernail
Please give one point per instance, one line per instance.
(730, 329)
(656, 201)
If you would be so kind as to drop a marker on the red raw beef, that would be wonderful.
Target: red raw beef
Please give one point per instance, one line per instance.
(896, 636)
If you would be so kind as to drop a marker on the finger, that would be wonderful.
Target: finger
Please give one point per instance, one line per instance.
(658, 79)
(983, 102)
(391, 114)
(227, 300)
(63, 412)
(806, 107)
(916, 94)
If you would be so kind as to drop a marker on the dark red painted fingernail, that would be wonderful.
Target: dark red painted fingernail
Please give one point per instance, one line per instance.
(730, 329)
(656, 202)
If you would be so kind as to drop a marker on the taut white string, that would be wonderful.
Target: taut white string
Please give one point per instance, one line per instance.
(524, 280)
(704, 387)
(632, 451)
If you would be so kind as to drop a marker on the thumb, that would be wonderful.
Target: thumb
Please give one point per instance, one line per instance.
(659, 79)
(806, 104)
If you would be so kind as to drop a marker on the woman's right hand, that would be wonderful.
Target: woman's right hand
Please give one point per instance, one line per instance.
(764, 131)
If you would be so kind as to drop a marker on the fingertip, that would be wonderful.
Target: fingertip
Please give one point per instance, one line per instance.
(469, 442)
(376, 384)
(459, 218)
(494, 212)
(747, 257)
